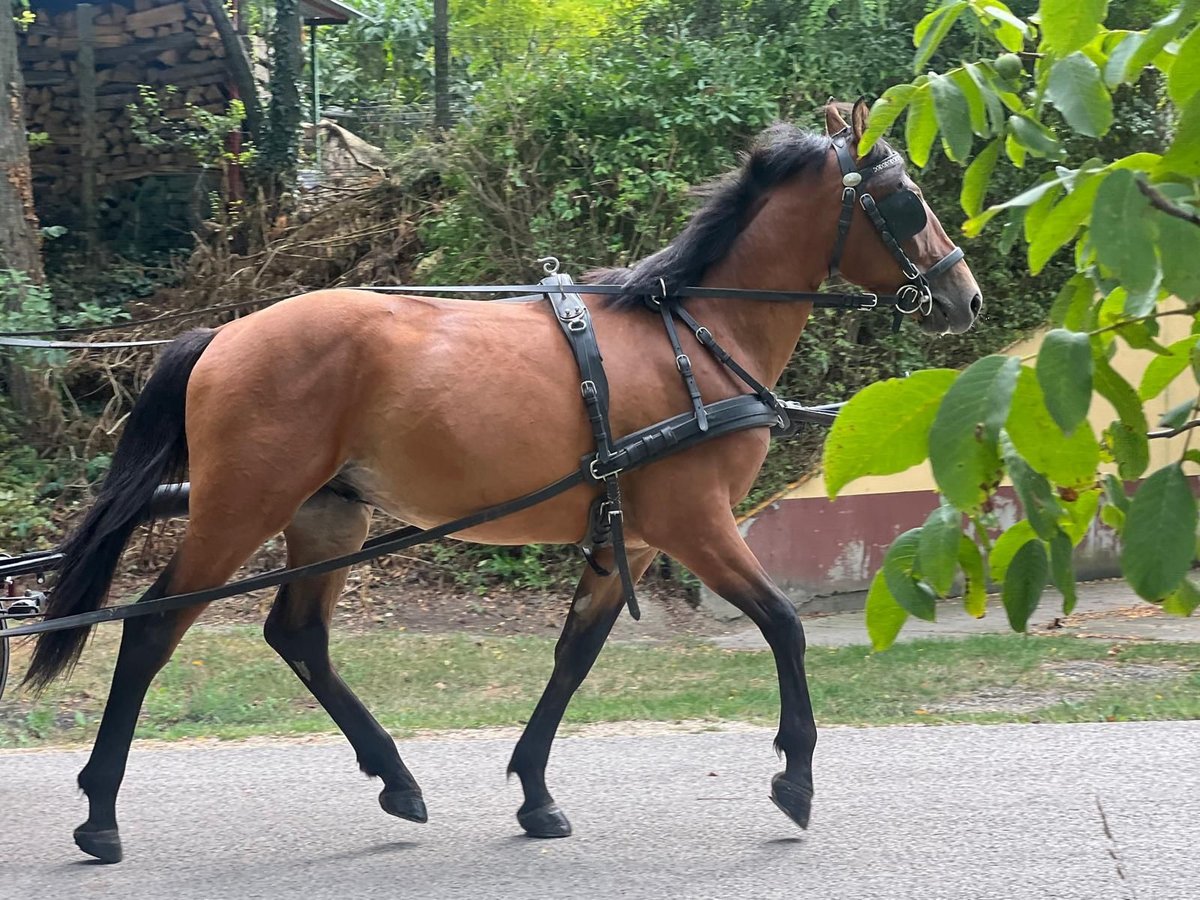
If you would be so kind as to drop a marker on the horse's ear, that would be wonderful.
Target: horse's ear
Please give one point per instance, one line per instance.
(858, 119)
(834, 122)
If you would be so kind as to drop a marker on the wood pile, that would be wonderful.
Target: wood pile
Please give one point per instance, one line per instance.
(135, 42)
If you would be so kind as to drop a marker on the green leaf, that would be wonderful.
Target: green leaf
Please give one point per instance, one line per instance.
(975, 180)
(1114, 493)
(1073, 302)
(1162, 370)
(1162, 32)
(899, 570)
(1064, 371)
(1184, 80)
(1037, 212)
(1127, 438)
(1029, 197)
(1123, 234)
(1081, 512)
(1006, 547)
(1063, 221)
(1077, 91)
(932, 29)
(1062, 570)
(1179, 248)
(1008, 30)
(1176, 416)
(884, 428)
(974, 97)
(1069, 461)
(884, 112)
(1015, 151)
(962, 441)
(1131, 449)
(1183, 600)
(1118, 59)
(1159, 541)
(1034, 136)
(953, 116)
(1067, 25)
(1183, 156)
(920, 126)
(1024, 582)
(1033, 490)
(985, 80)
(885, 617)
(937, 549)
(975, 586)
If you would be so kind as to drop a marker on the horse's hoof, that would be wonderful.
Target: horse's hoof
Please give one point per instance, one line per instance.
(545, 822)
(105, 845)
(404, 805)
(795, 800)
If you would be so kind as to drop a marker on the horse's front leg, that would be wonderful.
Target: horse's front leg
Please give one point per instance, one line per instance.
(723, 562)
(595, 608)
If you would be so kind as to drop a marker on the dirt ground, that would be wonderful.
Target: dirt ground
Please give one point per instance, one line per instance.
(403, 594)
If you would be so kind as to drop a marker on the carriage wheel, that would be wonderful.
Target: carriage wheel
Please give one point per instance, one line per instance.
(3, 656)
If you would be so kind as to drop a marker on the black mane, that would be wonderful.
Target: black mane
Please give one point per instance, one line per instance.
(779, 153)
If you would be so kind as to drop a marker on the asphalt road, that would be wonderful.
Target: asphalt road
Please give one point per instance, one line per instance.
(963, 812)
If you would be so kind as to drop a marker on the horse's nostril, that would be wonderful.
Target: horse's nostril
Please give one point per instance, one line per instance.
(976, 304)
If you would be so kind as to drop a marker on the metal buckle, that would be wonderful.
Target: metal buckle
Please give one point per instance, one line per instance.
(588, 389)
(701, 333)
(848, 194)
(874, 301)
(596, 476)
(682, 360)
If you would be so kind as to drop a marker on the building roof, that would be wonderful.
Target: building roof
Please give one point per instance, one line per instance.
(328, 12)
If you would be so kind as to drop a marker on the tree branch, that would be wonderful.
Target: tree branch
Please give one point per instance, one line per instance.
(1171, 432)
(1159, 202)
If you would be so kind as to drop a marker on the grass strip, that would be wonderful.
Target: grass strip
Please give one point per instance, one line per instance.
(226, 683)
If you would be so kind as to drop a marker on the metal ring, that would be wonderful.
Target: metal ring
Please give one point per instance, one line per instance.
(907, 291)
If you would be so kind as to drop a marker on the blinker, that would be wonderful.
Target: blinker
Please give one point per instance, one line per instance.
(904, 213)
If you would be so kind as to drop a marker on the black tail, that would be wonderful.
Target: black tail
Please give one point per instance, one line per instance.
(152, 450)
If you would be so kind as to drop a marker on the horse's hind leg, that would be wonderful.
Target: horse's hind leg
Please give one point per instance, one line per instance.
(298, 629)
(721, 559)
(146, 645)
(595, 608)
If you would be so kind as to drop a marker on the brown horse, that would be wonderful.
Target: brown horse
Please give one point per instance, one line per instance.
(305, 416)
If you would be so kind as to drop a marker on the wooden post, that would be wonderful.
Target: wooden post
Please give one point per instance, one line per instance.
(85, 15)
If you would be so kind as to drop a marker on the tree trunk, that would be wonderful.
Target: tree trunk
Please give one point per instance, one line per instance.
(282, 138)
(441, 64)
(19, 233)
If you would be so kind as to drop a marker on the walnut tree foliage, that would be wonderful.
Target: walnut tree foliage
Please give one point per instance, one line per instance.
(1130, 223)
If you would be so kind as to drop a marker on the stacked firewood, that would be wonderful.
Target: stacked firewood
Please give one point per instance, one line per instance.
(136, 43)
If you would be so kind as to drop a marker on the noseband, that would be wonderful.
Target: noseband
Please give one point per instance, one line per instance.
(897, 217)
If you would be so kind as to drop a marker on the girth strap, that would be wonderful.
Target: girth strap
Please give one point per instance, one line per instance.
(576, 323)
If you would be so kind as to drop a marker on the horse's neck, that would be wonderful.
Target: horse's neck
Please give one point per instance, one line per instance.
(762, 336)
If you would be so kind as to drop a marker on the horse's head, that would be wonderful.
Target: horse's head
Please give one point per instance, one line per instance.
(894, 244)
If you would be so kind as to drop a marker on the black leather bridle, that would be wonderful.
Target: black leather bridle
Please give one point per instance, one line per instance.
(898, 217)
